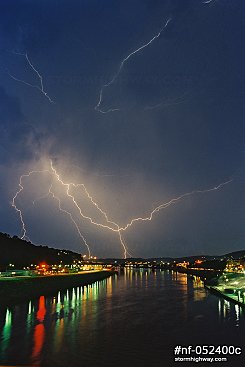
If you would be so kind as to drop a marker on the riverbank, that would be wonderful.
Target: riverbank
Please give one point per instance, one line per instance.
(211, 276)
(17, 289)
(220, 292)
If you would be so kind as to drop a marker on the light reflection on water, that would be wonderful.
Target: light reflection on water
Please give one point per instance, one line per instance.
(137, 315)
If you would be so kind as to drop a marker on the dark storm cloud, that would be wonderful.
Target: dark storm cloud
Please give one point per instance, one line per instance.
(19, 140)
(27, 24)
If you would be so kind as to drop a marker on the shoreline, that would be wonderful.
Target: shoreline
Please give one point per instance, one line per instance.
(19, 289)
(212, 288)
(219, 293)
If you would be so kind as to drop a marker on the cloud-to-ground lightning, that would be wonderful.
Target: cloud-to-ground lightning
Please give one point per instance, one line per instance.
(107, 219)
(68, 185)
(68, 188)
(13, 203)
(110, 225)
(97, 107)
(54, 173)
(72, 219)
(40, 87)
(50, 193)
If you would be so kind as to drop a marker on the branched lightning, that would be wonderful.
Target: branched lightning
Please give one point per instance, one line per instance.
(110, 225)
(51, 193)
(40, 87)
(106, 223)
(171, 202)
(97, 107)
(21, 188)
(72, 219)
(68, 185)
(106, 218)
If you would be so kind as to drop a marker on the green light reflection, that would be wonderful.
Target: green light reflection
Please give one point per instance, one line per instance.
(6, 333)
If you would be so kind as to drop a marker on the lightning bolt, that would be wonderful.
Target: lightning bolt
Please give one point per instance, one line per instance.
(97, 107)
(24, 231)
(72, 219)
(40, 87)
(171, 202)
(110, 225)
(107, 220)
(13, 203)
(68, 185)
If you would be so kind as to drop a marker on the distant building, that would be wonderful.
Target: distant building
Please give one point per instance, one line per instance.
(236, 266)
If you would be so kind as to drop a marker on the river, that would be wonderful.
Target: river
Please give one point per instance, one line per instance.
(134, 318)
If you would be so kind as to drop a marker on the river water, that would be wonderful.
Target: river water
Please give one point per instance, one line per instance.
(134, 318)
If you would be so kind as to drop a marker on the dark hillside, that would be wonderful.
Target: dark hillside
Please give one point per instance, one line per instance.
(21, 253)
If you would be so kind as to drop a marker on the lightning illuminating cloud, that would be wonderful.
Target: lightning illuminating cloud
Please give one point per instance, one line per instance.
(68, 185)
(110, 225)
(97, 107)
(54, 173)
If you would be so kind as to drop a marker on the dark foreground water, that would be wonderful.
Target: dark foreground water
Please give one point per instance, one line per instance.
(136, 318)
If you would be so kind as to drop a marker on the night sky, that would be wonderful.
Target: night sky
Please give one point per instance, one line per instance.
(178, 123)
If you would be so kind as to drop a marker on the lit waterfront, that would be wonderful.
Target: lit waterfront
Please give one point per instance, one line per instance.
(137, 316)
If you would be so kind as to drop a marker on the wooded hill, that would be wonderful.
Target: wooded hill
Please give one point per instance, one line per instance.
(14, 250)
